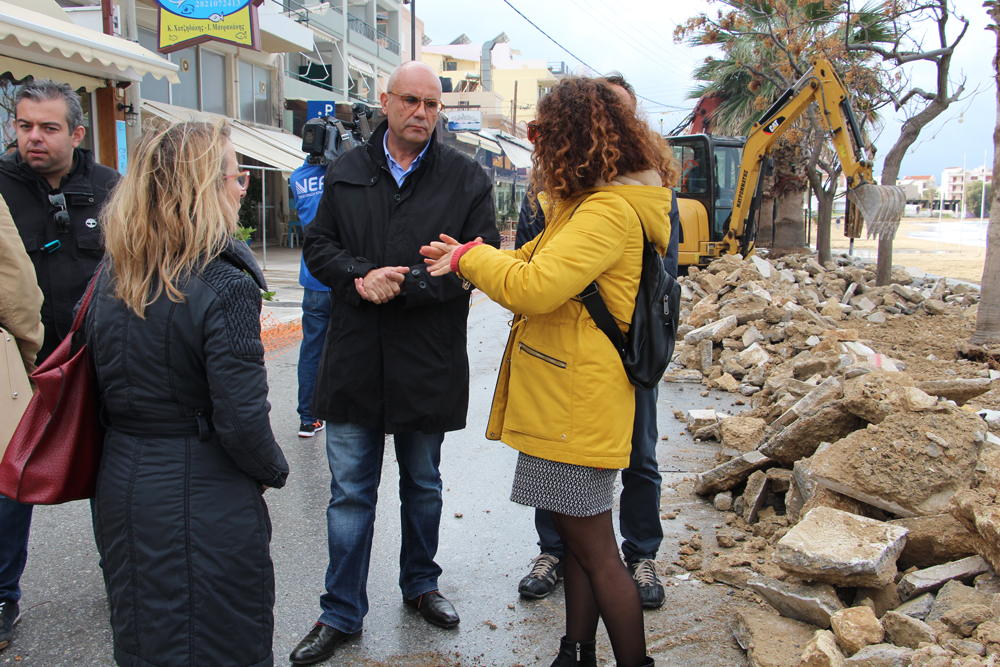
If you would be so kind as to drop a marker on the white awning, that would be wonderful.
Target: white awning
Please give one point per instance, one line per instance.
(360, 66)
(272, 147)
(468, 138)
(520, 157)
(27, 34)
(22, 68)
(491, 146)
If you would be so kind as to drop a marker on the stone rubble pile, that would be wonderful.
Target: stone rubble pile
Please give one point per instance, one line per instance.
(862, 504)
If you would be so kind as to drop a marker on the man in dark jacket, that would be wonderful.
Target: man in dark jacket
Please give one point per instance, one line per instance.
(395, 358)
(55, 192)
(639, 515)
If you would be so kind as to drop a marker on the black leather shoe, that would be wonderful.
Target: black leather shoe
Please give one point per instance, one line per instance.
(319, 644)
(435, 608)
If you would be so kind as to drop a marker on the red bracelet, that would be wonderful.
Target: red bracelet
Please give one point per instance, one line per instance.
(459, 251)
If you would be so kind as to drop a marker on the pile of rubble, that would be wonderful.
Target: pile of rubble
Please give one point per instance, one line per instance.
(861, 503)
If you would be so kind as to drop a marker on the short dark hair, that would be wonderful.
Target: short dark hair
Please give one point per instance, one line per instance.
(618, 79)
(39, 90)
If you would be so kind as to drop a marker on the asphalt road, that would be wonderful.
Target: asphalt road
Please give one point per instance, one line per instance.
(485, 548)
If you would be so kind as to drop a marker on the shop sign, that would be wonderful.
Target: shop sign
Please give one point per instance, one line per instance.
(317, 108)
(465, 120)
(184, 23)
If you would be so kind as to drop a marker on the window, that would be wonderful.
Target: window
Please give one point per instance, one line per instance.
(202, 75)
(185, 94)
(255, 93)
(450, 66)
(213, 82)
(153, 89)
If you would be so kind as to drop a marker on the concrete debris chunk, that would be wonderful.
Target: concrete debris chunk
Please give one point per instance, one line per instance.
(683, 376)
(714, 331)
(770, 640)
(894, 467)
(953, 595)
(933, 578)
(879, 600)
(802, 601)
(965, 619)
(762, 265)
(903, 630)
(697, 419)
(732, 473)
(959, 391)
(742, 433)
(822, 651)
(754, 495)
(880, 655)
(856, 628)
(723, 501)
(754, 355)
(842, 549)
(979, 512)
(798, 440)
(725, 382)
(933, 540)
(919, 607)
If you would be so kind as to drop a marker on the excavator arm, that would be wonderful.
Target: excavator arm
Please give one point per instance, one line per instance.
(881, 206)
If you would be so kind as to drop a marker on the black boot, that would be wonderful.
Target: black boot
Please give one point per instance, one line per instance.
(576, 654)
(649, 662)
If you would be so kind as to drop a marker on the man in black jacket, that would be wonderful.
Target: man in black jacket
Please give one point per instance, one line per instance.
(55, 192)
(395, 358)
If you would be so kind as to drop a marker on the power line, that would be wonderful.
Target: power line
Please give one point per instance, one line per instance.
(579, 59)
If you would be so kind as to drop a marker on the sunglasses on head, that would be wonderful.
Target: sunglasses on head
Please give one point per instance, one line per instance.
(62, 215)
(411, 102)
(532, 131)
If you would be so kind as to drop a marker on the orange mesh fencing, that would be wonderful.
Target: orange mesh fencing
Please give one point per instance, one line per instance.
(278, 337)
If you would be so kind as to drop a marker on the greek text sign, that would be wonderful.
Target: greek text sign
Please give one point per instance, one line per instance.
(184, 23)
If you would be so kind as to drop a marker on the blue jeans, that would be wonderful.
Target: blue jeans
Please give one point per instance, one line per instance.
(15, 524)
(639, 517)
(355, 456)
(315, 317)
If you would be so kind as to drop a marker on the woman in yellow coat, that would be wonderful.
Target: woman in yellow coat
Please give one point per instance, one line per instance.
(563, 399)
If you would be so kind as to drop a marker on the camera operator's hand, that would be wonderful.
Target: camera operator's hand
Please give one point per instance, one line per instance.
(381, 285)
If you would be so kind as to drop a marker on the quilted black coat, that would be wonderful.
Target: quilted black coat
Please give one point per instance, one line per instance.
(179, 514)
(400, 366)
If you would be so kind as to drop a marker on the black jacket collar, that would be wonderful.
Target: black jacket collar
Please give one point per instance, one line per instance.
(376, 145)
(239, 255)
(77, 181)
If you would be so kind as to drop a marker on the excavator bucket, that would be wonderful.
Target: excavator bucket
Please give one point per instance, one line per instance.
(882, 207)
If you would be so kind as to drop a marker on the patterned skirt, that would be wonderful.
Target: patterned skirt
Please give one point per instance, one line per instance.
(563, 487)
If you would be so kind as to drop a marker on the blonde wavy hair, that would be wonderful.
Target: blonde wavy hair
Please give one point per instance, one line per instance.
(168, 215)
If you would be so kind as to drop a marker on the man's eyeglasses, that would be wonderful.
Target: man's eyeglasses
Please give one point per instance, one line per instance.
(411, 102)
(532, 131)
(242, 179)
(62, 215)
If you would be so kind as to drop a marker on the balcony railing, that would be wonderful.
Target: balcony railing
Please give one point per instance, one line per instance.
(386, 42)
(297, 11)
(314, 82)
(383, 40)
(360, 27)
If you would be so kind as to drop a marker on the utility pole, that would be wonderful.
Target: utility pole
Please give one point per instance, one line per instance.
(514, 110)
(413, 29)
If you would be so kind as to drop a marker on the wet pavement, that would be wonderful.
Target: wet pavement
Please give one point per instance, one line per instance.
(486, 545)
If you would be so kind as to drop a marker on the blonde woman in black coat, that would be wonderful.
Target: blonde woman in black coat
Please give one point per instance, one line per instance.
(174, 332)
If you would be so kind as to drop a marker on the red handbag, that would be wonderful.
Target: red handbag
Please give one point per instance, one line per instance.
(55, 451)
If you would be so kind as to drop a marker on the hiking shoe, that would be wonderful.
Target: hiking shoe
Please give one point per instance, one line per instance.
(546, 570)
(309, 430)
(651, 593)
(9, 616)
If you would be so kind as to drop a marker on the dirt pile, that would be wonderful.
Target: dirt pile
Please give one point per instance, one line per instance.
(851, 464)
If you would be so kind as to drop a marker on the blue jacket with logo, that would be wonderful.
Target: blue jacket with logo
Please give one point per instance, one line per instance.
(307, 187)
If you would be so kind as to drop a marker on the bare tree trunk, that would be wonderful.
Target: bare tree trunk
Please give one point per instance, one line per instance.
(789, 223)
(766, 226)
(824, 218)
(988, 319)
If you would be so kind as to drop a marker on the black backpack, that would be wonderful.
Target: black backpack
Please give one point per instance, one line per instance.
(649, 346)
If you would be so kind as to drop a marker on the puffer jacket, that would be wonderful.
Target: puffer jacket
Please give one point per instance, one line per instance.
(562, 393)
(179, 514)
(20, 296)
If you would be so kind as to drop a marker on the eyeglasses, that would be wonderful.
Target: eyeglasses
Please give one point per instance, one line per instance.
(532, 131)
(242, 179)
(411, 102)
(62, 215)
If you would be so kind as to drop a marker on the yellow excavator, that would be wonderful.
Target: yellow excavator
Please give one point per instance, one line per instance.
(719, 196)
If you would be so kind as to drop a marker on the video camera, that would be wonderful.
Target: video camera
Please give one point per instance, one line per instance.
(326, 137)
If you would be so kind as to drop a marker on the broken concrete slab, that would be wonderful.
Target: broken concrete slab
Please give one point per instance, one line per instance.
(704, 356)
(894, 466)
(751, 336)
(798, 440)
(762, 265)
(935, 307)
(754, 355)
(856, 628)
(964, 647)
(876, 395)
(953, 595)
(754, 495)
(725, 382)
(934, 578)
(822, 651)
(903, 630)
(965, 619)
(933, 540)
(840, 548)
(731, 473)
(715, 330)
(742, 433)
(919, 607)
(829, 390)
(723, 501)
(780, 480)
(683, 376)
(880, 655)
(802, 601)
(697, 419)
(960, 390)
(824, 497)
(770, 640)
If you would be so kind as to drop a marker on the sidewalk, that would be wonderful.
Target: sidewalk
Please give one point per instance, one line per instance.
(282, 275)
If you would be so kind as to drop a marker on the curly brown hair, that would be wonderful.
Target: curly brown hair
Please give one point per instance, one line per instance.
(585, 133)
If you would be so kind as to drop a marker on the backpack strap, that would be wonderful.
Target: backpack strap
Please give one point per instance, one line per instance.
(605, 321)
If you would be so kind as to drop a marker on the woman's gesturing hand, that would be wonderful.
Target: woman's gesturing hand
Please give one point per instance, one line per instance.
(438, 255)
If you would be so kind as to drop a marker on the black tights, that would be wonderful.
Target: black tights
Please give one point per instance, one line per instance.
(598, 584)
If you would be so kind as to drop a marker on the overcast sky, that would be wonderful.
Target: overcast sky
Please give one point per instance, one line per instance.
(636, 38)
